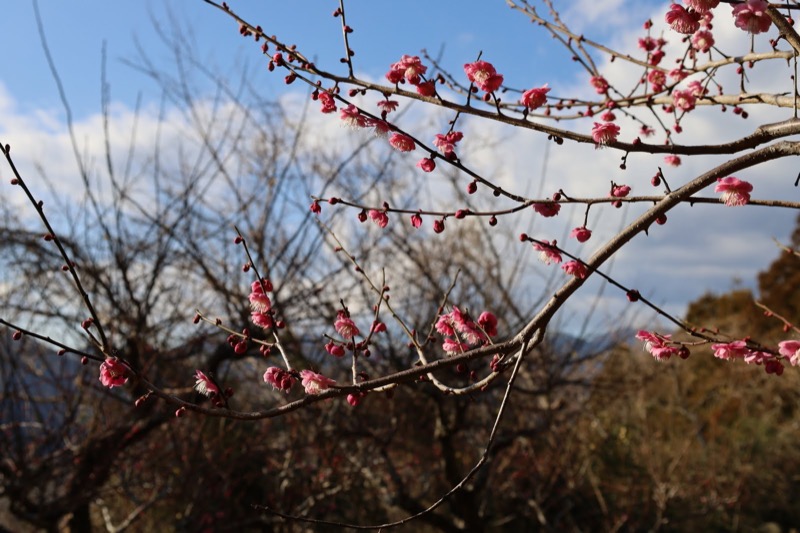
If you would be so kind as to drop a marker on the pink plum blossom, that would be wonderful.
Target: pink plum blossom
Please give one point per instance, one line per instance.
(657, 345)
(672, 160)
(752, 16)
(683, 100)
(702, 41)
(446, 144)
(459, 324)
(470, 332)
(427, 88)
(427, 164)
(547, 210)
(535, 98)
(327, 102)
(773, 366)
(604, 133)
(696, 88)
(416, 220)
(409, 68)
(488, 322)
(279, 379)
(204, 385)
(483, 75)
(791, 350)
(345, 326)
(758, 358)
(352, 117)
(657, 79)
(648, 44)
(734, 191)
(464, 326)
(388, 105)
(379, 217)
(575, 268)
(401, 142)
(681, 20)
(600, 84)
(678, 74)
(355, 398)
(702, 6)
(259, 301)
(655, 58)
(262, 320)
(582, 233)
(113, 373)
(620, 191)
(453, 347)
(315, 383)
(381, 128)
(444, 325)
(334, 349)
(608, 116)
(548, 253)
(730, 350)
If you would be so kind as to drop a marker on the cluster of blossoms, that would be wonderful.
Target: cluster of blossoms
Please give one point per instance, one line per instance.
(549, 253)
(410, 69)
(279, 379)
(284, 380)
(314, 383)
(751, 16)
(695, 18)
(739, 350)
(661, 347)
(461, 332)
(446, 144)
(379, 217)
(260, 304)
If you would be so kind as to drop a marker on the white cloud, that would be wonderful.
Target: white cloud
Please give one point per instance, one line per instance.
(701, 247)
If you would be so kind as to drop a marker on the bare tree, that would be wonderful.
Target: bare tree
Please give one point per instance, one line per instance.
(402, 313)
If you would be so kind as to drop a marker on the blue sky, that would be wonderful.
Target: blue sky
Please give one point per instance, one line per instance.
(524, 53)
(383, 32)
(76, 34)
